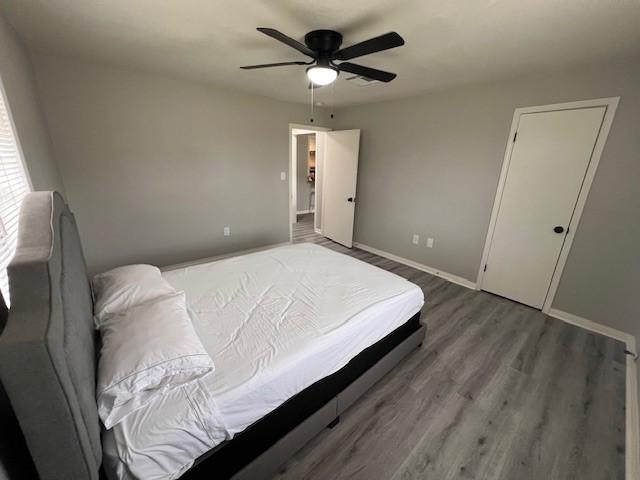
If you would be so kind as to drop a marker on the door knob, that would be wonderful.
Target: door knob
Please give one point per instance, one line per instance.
(558, 229)
(351, 199)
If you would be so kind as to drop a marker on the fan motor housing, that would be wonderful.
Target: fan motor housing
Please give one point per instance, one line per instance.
(324, 41)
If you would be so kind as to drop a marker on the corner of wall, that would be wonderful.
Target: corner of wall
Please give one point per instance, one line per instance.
(32, 130)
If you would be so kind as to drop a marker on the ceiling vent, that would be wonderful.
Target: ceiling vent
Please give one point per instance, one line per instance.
(361, 81)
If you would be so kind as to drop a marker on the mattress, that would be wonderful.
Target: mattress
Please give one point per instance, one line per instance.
(274, 323)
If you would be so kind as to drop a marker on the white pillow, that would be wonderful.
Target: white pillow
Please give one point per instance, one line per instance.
(146, 351)
(124, 287)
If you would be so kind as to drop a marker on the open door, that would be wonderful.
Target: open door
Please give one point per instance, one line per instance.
(340, 173)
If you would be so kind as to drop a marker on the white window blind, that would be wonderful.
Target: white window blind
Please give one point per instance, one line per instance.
(14, 185)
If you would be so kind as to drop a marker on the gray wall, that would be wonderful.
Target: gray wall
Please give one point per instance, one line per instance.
(303, 188)
(430, 165)
(163, 188)
(17, 77)
(155, 167)
(162, 164)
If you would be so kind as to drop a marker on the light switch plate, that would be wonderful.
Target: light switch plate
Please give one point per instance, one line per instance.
(283, 175)
(429, 242)
(416, 239)
(227, 231)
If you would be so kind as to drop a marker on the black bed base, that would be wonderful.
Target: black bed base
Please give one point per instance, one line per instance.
(230, 457)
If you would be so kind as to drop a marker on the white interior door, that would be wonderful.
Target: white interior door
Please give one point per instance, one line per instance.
(340, 173)
(293, 182)
(548, 164)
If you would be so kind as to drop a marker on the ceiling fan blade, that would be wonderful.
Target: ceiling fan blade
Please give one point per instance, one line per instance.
(373, 45)
(371, 73)
(279, 64)
(281, 37)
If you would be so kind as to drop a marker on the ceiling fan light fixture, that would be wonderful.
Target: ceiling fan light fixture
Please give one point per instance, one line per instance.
(322, 75)
(323, 46)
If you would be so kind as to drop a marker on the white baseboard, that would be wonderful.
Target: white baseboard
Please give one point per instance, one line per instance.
(632, 420)
(632, 456)
(419, 266)
(302, 212)
(627, 338)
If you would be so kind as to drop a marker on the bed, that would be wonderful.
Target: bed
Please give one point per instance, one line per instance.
(271, 407)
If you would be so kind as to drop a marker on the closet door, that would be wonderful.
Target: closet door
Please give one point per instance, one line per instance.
(548, 164)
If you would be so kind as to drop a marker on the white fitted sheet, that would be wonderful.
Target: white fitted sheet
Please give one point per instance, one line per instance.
(274, 323)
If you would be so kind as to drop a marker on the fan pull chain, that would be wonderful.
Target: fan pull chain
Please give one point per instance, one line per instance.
(311, 119)
(333, 98)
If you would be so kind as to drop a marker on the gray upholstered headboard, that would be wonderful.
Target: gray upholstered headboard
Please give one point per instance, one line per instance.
(47, 350)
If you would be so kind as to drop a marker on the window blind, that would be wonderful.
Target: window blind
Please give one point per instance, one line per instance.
(14, 185)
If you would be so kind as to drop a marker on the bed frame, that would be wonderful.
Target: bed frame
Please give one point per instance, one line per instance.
(48, 365)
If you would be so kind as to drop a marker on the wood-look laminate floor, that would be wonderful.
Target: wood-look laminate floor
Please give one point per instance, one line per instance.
(497, 391)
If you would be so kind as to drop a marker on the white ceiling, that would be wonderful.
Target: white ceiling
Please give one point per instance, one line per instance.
(448, 42)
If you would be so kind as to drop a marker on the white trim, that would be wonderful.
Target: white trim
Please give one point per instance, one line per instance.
(292, 169)
(632, 440)
(222, 256)
(318, 196)
(592, 326)
(632, 421)
(419, 266)
(611, 104)
(293, 179)
(304, 212)
(309, 128)
(318, 231)
(302, 131)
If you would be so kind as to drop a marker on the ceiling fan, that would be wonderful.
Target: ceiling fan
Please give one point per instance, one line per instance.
(323, 46)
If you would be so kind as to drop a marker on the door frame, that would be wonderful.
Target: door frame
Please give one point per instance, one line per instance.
(611, 104)
(293, 177)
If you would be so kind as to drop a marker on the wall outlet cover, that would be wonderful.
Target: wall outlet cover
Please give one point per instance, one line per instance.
(227, 231)
(429, 242)
(416, 239)
(283, 175)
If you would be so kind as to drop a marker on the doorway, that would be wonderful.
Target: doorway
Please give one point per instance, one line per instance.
(550, 162)
(305, 170)
(305, 173)
(323, 176)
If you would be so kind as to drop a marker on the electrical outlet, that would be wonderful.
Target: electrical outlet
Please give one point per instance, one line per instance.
(227, 231)
(416, 239)
(283, 176)
(429, 242)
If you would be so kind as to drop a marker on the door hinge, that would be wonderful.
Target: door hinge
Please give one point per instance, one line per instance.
(515, 135)
(485, 267)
